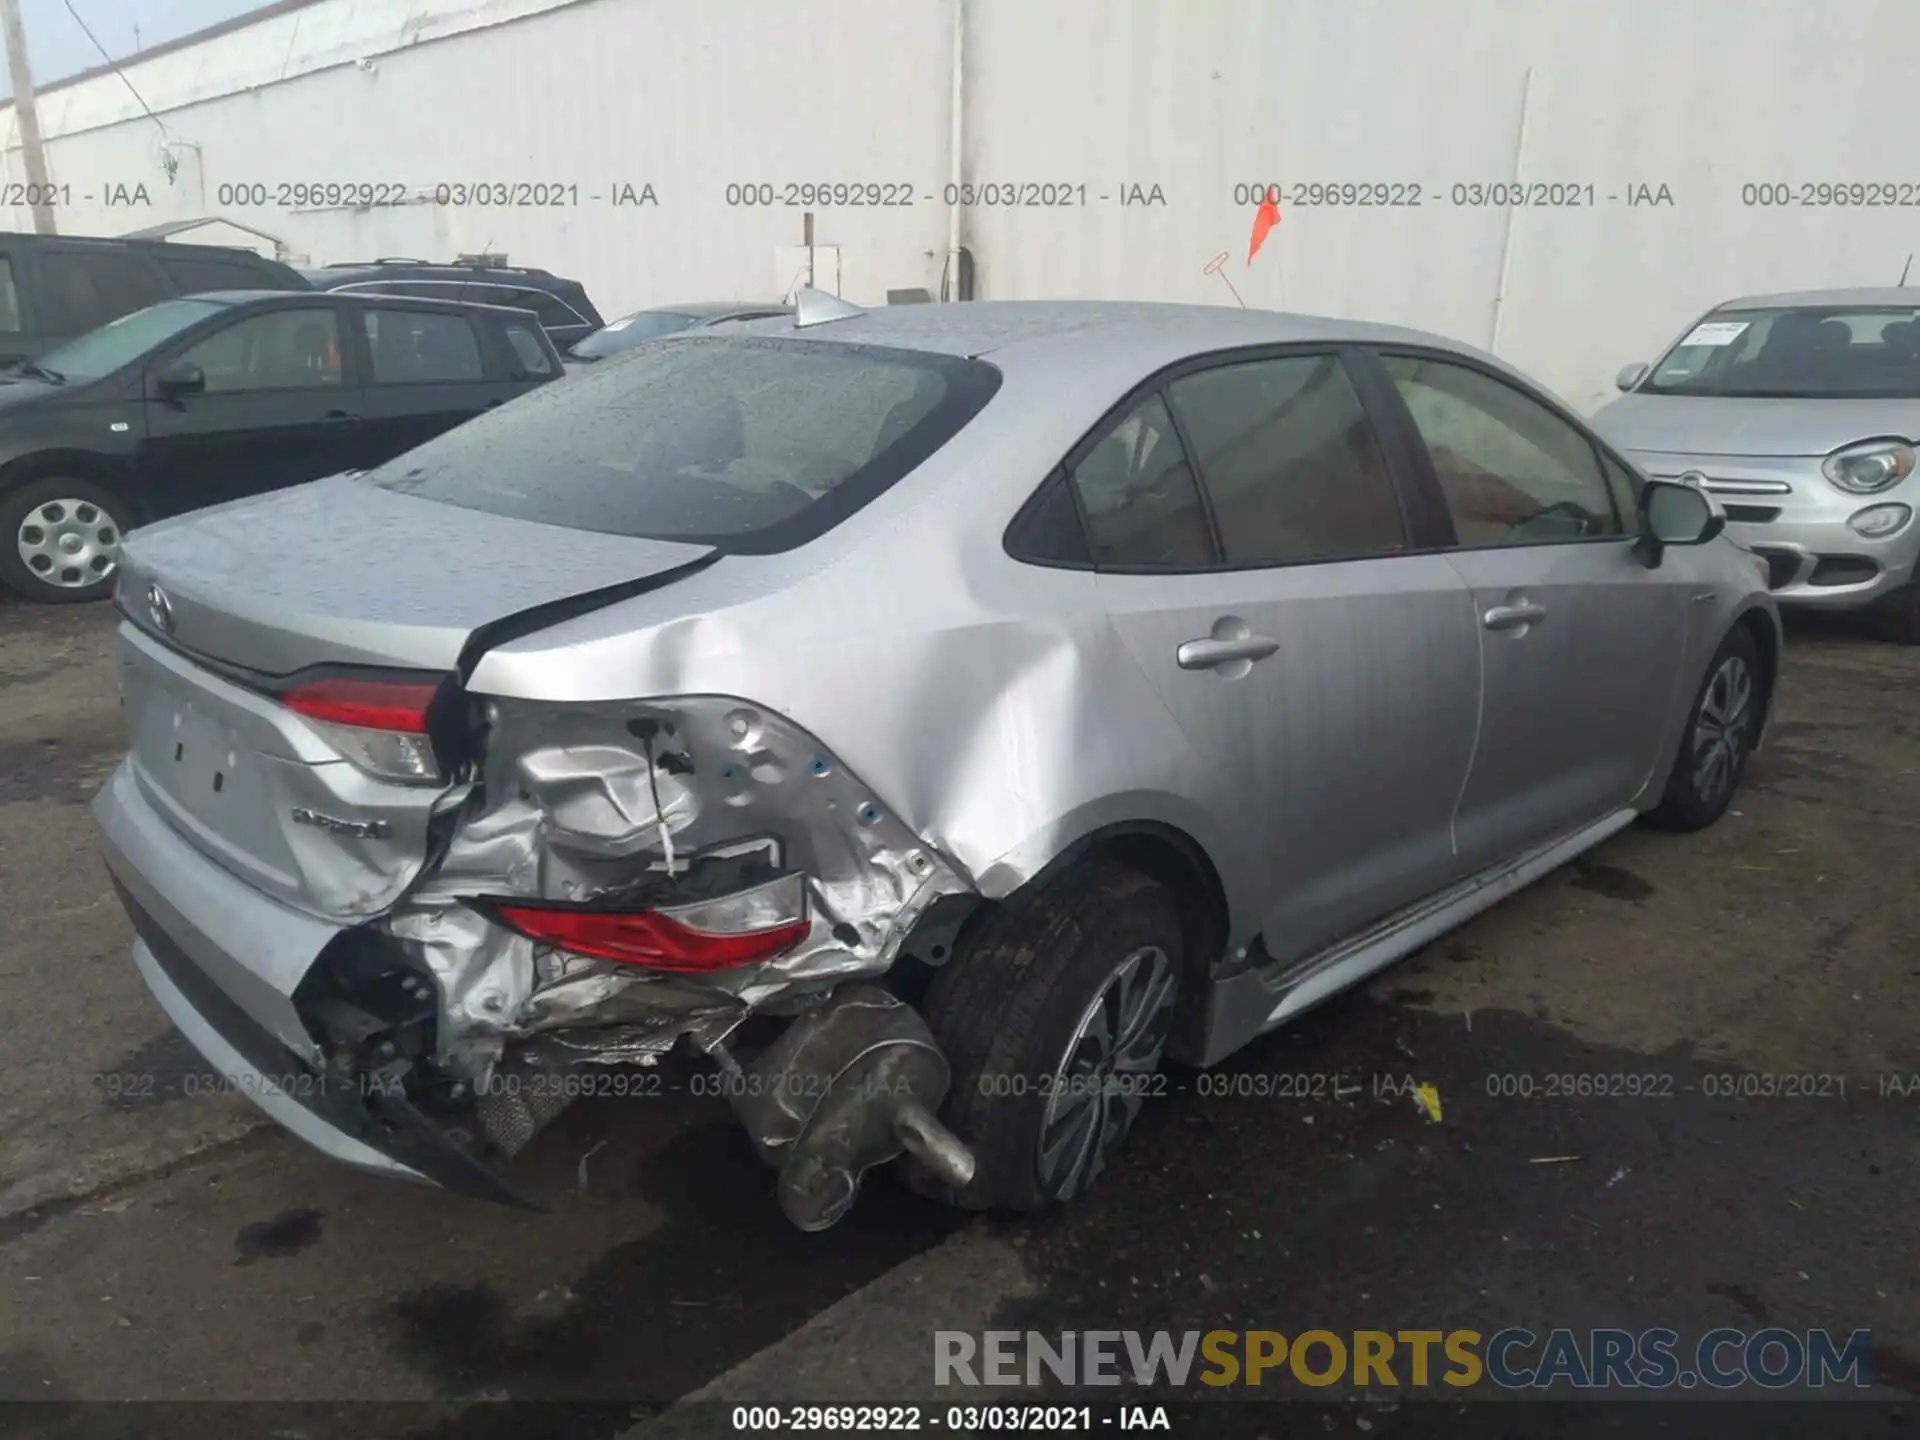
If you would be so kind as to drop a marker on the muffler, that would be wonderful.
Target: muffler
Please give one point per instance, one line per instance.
(853, 1085)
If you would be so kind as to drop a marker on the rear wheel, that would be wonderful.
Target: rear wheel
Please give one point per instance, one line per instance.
(1721, 729)
(1055, 1021)
(60, 539)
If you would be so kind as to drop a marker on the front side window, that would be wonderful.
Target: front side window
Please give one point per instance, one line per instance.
(1140, 497)
(1289, 461)
(282, 350)
(748, 444)
(1800, 352)
(1512, 472)
(411, 347)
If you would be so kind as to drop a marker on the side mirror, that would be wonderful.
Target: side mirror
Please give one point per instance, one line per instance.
(1631, 375)
(177, 378)
(1676, 515)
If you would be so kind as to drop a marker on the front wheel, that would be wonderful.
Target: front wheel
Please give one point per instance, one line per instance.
(60, 540)
(1721, 730)
(1054, 1022)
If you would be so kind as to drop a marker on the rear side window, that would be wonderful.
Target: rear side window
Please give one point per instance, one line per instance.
(529, 352)
(195, 275)
(412, 347)
(83, 290)
(552, 310)
(1289, 461)
(753, 445)
(1141, 501)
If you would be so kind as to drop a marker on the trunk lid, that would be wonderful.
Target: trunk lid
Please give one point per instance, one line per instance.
(340, 572)
(223, 603)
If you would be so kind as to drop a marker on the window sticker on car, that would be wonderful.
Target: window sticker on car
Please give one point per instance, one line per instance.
(1719, 332)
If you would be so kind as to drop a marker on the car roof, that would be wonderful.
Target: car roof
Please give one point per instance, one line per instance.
(378, 269)
(977, 328)
(1896, 297)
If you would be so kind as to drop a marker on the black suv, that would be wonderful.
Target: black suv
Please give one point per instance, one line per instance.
(54, 287)
(199, 400)
(562, 305)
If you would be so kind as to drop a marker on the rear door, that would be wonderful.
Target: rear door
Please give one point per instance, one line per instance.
(1256, 555)
(279, 409)
(1580, 642)
(426, 371)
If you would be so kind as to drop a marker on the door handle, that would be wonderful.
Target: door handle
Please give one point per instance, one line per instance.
(1206, 654)
(1512, 617)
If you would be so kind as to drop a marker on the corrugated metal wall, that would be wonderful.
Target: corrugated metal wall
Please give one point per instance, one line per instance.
(1184, 99)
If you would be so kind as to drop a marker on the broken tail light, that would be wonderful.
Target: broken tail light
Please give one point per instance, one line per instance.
(722, 933)
(380, 724)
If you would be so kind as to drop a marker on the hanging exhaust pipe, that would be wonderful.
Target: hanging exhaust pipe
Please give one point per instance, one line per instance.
(855, 1084)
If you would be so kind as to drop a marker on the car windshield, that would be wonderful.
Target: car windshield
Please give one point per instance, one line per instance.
(646, 325)
(120, 342)
(750, 444)
(1807, 352)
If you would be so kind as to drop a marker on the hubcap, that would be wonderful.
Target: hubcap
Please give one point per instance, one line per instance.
(1105, 1070)
(69, 544)
(1721, 729)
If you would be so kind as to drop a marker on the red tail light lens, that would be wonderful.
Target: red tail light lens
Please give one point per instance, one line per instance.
(719, 934)
(379, 724)
(397, 705)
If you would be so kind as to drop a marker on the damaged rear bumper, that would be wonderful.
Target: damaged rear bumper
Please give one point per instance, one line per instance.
(191, 923)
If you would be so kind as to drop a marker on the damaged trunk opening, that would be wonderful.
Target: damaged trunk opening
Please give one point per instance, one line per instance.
(613, 884)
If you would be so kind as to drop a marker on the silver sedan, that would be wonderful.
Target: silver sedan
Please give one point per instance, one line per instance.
(1800, 413)
(918, 726)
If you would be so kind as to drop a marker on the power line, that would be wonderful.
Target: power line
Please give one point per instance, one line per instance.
(113, 65)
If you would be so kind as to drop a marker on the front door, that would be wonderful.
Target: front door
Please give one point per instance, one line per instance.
(278, 409)
(1580, 642)
(1253, 555)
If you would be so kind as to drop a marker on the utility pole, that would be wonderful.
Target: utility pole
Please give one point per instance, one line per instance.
(27, 117)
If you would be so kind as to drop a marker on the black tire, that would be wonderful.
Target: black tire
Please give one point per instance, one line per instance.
(1713, 755)
(1005, 1011)
(82, 504)
(1900, 621)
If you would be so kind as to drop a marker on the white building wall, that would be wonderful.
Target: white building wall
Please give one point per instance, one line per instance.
(1192, 96)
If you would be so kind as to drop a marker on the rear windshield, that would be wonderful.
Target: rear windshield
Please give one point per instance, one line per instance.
(621, 334)
(749, 444)
(1829, 352)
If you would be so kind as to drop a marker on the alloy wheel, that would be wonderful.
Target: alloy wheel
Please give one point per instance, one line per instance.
(1722, 729)
(1105, 1070)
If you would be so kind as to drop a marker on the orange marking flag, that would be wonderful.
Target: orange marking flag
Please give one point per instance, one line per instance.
(1264, 219)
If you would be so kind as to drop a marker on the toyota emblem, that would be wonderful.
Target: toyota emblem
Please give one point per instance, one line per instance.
(159, 607)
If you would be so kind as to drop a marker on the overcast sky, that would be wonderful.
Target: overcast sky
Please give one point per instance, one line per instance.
(58, 46)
